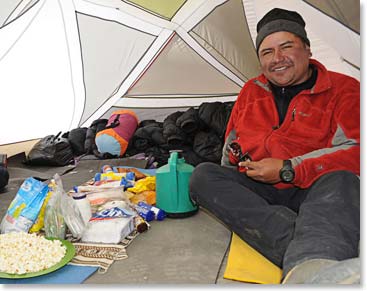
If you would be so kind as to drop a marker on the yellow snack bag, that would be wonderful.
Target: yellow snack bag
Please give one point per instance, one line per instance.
(145, 184)
(148, 196)
(39, 223)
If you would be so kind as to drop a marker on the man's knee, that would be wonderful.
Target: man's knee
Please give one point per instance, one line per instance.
(202, 172)
(342, 185)
(341, 178)
(199, 178)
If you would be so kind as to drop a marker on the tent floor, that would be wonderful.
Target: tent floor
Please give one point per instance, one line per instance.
(191, 250)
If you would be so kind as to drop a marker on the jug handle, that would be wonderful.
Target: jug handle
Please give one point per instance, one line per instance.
(173, 169)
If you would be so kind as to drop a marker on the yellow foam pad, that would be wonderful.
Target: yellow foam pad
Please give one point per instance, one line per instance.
(245, 264)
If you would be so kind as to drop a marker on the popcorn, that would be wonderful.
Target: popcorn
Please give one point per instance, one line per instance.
(22, 253)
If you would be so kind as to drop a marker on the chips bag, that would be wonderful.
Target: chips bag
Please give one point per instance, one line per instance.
(25, 207)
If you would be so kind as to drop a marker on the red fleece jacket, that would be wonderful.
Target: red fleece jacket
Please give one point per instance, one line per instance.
(320, 133)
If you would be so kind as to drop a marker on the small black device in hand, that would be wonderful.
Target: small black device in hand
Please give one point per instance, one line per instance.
(235, 149)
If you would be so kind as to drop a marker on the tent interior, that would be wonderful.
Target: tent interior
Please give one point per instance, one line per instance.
(64, 64)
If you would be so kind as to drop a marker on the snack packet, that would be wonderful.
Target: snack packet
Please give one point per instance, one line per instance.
(25, 207)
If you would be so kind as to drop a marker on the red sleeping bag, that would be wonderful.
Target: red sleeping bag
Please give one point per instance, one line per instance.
(115, 138)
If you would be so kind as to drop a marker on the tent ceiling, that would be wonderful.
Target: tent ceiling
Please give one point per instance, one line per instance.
(11, 9)
(163, 8)
(225, 34)
(107, 62)
(345, 11)
(180, 70)
(7, 7)
(80, 58)
(43, 102)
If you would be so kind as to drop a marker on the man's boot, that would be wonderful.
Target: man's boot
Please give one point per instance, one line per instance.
(306, 270)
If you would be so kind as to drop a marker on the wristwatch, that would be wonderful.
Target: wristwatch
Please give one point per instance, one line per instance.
(287, 172)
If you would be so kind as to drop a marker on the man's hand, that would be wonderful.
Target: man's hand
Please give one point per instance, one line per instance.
(265, 170)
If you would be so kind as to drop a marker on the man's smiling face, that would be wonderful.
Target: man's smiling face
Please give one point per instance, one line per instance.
(284, 59)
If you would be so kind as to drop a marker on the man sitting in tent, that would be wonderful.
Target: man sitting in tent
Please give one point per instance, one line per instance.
(288, 183)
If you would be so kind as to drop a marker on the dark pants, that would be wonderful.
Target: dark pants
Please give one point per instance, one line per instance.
(287, 226)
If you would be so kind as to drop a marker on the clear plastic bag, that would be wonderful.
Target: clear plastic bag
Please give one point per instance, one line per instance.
(60, 211)
(54, 223)
(70, 211)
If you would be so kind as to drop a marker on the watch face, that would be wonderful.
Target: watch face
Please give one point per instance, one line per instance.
(286, 173)
(287, 176)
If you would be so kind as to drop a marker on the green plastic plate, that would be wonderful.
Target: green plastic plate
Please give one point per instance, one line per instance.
(70, 252)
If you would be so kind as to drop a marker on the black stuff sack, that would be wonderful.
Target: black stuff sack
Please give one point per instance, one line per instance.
(4, 174)
(4, 177)
(51, 151)
(76, 138)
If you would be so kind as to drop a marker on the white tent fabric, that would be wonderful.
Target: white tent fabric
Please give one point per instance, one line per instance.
(39, 73)
(119, 57)
(65, 63)
(7, 7)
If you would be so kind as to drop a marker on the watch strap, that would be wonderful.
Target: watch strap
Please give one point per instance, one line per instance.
(287, 163)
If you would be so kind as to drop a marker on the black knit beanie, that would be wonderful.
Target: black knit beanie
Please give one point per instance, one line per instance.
(280, 20)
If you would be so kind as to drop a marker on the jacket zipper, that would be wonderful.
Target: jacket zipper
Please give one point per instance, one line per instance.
(293, 117)
(275, 127)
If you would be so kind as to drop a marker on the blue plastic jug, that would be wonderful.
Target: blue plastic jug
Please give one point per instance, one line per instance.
(172, 187)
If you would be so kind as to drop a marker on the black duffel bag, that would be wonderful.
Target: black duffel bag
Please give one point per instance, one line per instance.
(4, 177)
(51, 151)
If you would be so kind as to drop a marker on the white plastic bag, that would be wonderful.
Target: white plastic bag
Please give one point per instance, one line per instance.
(109, 231)
(54, 223)
(63, 208)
